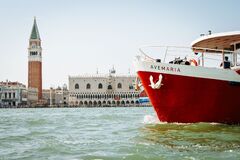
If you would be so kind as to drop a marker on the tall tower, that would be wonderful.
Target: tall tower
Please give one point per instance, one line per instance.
(35, 60)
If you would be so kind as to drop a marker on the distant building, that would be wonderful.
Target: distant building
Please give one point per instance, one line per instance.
(48, 96)
(12, 94)
(32, 96)
(103, 90)
(56, 97)
(61, 96)
(35, 61)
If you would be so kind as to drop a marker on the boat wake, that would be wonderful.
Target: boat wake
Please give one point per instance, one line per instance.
(150, 119)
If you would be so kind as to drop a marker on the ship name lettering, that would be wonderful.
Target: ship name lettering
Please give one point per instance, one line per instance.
(163, 68)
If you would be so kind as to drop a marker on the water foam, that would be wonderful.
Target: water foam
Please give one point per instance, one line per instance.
(150, 119)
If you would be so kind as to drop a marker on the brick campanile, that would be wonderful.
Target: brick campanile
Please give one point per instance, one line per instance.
(35, 60)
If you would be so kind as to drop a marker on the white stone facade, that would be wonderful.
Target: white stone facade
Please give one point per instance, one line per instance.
(103, 90)
(12, 94)
(61, 97)
(56, 97)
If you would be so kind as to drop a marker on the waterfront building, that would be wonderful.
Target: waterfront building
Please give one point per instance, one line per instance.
(32, 96)
(103, 90)
(61, 96)
(35, 61)
(56, 97)
(48, 96)
(12, 94)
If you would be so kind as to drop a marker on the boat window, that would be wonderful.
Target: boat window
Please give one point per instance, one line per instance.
(237, 46)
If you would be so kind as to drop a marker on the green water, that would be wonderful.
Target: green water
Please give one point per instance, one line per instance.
(110, 133)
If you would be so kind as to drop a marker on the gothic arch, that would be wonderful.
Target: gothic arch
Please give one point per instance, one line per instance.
(88, 86)
(119, 85)
(76, 86)
(76, 103)
(118, 102)
(109, 86)
(100, 86)
(90, 103)
(130, 87)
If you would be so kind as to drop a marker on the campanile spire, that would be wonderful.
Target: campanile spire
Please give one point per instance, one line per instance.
(35, 33)
(35, 61)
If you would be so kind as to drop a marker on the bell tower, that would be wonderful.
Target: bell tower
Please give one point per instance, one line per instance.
(35, 61)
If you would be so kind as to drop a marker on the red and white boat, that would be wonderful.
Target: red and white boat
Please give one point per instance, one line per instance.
(191, 87)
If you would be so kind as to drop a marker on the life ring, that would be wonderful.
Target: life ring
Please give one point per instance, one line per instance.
(193, 62)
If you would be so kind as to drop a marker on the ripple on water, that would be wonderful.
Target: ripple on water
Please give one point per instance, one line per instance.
(110, 133)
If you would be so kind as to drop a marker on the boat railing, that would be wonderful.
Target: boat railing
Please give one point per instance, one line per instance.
(206, 57)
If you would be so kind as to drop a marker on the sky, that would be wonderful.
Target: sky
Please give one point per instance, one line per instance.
(80, 37)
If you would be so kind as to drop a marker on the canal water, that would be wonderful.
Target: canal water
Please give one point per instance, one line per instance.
(110, 133)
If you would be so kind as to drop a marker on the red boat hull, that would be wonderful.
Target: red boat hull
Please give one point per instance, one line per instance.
(186, 99)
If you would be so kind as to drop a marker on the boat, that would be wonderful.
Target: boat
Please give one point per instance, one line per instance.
(143, 98)
(194, 84)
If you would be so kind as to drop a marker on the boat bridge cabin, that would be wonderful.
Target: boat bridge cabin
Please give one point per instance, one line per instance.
(227, 44)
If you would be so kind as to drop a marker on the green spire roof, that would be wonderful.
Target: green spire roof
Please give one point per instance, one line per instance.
(35, 33)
